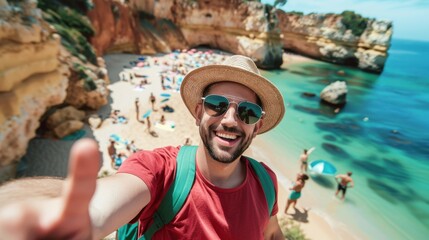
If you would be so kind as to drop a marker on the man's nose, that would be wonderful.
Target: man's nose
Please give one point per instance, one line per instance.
(230, 117)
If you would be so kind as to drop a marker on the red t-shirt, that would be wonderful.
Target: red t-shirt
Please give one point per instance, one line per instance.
(209, 212)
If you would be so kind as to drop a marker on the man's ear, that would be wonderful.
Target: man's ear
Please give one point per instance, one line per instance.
(258, 126)
(198, 114)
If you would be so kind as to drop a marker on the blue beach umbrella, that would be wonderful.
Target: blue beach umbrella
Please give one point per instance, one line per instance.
(115, 137)
(147, 114)
(322, 167)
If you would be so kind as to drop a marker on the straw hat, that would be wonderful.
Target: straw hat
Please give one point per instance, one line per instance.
(242, 70)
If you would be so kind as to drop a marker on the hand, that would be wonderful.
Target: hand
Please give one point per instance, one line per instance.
(64, 217)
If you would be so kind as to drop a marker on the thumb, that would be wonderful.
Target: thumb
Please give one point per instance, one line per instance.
(81, 181)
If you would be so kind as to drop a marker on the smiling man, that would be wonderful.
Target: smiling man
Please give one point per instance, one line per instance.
(231, 103)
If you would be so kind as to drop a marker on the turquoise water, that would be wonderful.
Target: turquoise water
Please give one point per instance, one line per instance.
(381, 135)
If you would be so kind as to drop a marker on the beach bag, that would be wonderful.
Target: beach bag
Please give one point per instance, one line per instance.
(179, 191)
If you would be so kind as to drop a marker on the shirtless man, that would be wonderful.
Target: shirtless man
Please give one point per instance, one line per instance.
(304, 159)
(345, 179)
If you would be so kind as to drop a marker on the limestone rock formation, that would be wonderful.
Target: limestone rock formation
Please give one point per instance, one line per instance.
(35, 70)
(64, 114)
(121, 28)
(325, 37)
(31, 80)
(67, 127)
(247, 28)
(335, 93)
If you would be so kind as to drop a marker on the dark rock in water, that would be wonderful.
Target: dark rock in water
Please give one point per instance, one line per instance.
(335, 93)
(330, 138)
(323, 81)
(391, 172)
(300, 73)
(387, 192)
(324, 110)
(313, 111)
(308, 94)
(329, 110)
(335, 150)
(349, 128)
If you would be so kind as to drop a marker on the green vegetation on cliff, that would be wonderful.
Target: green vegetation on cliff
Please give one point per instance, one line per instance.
(354, 22)
(74, 28)
(88, 82)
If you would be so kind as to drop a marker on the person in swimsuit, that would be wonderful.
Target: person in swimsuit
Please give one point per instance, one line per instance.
(304, 159)
(343, 183)
(296, 190)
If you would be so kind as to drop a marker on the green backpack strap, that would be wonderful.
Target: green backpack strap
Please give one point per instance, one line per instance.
(128, 231)
(177, 193)
(266, 182)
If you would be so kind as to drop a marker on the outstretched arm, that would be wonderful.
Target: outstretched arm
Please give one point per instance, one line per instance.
(309, 151)
(61, 210)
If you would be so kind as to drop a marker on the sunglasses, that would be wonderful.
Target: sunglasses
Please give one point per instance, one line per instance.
(247, 112)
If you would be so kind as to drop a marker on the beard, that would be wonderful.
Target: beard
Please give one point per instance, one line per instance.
(223, 155)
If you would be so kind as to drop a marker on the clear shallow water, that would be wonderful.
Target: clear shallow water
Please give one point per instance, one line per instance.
(381, 135)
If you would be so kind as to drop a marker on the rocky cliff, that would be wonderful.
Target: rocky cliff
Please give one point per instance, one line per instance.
(37, 73)
(30, 79)
(246, 28)
(123, 28)
(163, 25)
(327, 37)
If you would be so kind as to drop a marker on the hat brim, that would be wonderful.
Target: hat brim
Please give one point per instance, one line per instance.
(196, 81)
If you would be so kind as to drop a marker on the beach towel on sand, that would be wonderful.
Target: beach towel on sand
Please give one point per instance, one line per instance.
(167, 126)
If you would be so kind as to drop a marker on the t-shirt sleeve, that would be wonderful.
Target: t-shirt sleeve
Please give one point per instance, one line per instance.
(156, 168)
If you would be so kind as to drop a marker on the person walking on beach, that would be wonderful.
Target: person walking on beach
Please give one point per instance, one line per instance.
(343, 181)
(296, 189)
(303, 159)
(226, 200)
(111, 150)
(152, 100)
(149, 124)
(137, 105)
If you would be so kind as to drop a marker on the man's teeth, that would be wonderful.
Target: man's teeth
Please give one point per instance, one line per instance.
(227, 136)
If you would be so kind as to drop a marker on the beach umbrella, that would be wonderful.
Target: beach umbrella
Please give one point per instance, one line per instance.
(167, 95)
(147, 114)
(322, 167)
(115, 137)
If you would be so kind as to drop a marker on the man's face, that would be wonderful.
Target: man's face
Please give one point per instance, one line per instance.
(226, 137)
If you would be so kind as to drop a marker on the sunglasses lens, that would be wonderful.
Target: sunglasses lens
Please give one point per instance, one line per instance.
(215, 105)
(249, 113)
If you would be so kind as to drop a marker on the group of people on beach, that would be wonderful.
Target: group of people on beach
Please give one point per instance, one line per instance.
(344, 181)
(119, 154)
